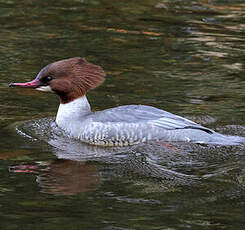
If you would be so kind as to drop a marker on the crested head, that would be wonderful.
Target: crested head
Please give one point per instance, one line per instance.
(69, 78)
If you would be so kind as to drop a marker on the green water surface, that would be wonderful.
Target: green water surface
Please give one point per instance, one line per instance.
(186, 57)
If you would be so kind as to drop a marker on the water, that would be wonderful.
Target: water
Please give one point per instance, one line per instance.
(182, 56)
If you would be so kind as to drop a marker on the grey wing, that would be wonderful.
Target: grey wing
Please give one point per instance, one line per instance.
(147, 114)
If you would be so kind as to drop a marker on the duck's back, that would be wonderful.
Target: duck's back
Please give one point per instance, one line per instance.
(132, 124)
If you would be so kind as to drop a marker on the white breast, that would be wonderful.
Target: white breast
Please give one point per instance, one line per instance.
(70, 115)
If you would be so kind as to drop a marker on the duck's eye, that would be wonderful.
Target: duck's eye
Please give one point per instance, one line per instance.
(48, 78)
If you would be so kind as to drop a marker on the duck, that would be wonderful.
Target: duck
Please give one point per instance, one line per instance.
(124, 125)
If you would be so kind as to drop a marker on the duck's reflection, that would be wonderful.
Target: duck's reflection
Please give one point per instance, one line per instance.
(68, 177)
(79, 175)
(62, 177)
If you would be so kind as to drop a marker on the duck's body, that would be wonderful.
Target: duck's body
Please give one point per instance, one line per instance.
(120, 126)
(131, 124)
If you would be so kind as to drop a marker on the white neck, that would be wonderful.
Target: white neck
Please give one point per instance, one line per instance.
(72, 112)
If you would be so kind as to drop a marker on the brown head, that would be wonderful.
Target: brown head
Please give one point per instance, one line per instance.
(70, 78)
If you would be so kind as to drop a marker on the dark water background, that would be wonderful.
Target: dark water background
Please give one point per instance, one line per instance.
(186, 57)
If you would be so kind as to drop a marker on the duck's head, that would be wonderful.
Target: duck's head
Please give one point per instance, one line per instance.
(70, 78)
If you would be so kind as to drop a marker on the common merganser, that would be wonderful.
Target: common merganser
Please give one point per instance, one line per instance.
(125, 125)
